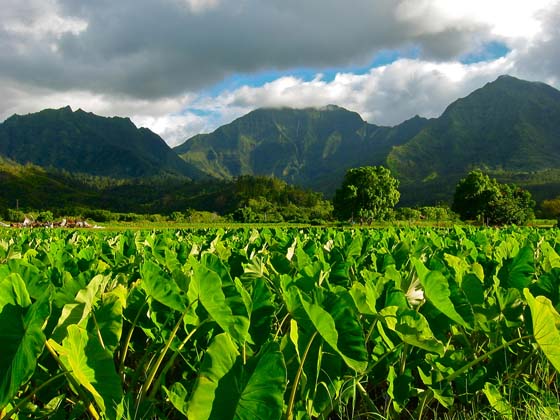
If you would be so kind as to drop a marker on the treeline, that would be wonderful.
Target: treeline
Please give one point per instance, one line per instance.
(45, 194)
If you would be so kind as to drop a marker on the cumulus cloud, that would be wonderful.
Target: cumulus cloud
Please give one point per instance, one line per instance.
(385, 95)
(151, 49)
(151, 59)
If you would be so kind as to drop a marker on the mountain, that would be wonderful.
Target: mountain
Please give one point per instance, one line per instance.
(509, 127)
(83, 142)
(309, 147)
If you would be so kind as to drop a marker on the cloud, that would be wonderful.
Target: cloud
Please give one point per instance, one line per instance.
(385, 95)
(151, 49)
(152, 59)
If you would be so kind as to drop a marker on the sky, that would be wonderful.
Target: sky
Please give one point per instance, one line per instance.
(183, 67)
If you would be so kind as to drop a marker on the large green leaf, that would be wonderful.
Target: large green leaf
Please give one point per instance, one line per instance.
(518, 271)
(546, 324)
(436, 290)
(22, 341)
(497, 401)
(92, 366)
(339, 326)
(161, 287)
(228, 389)
(107, 318)
(229, 312)
(79, 311)
(412, 328)
(262, 312)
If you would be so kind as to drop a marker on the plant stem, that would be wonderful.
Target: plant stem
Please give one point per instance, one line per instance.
(28, 397)
(280, 326)
(289, 411)
(172, 359)
(154, 369)
(481, 358)
(126, 343)
(429, 393)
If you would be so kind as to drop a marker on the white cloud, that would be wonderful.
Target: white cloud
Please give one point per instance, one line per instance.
(38, 19)
(385, 95)
(148, 60)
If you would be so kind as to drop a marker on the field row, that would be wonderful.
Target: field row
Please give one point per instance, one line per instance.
(278, 323)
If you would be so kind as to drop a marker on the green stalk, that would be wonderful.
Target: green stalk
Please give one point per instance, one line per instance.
(289, 411)
(280, 326)
(143, 365)
(429, 394)
(403, 359)
(99, 337)
(370, 331)
(126, 342)
(31, 394)
(172, 359)
(155, 368)
(481, 358)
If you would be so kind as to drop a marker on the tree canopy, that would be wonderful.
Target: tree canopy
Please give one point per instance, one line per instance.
(367, 193)
(477, 196)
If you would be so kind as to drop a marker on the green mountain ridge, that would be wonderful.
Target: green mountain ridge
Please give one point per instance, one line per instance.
(509, 127)
(309, 147)
(78, 141)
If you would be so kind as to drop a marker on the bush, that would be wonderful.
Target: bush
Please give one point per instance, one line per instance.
(45, 217)
(13, 215)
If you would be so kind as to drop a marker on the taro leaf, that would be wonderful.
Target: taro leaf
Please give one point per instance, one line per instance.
(364, 298)
(444, 399)
(436, 290)
(511, 305)
(109, 317)
(229, 312)
(262, 312)
(339, 326)
(92, 367)
(22, 341)
(177, 395)
(551, 259)
(518, 271)
(546, 322)
(400, 387)
(229, 389)
(78, 312)
(13, 291)
(473, 289)
(412, 328)
(497, 401)
(161, 287)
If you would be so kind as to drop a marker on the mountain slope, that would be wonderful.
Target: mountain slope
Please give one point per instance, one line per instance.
(509, 126)
(310, 147)
(83, 142)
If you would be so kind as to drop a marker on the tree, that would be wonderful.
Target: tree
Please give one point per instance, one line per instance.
(551, 208)
(477, 196)
(367, 193)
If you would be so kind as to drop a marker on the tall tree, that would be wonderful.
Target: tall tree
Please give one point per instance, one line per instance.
(367, 193)
(477, 196)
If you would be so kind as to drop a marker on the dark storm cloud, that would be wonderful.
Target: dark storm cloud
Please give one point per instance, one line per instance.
(150, 49)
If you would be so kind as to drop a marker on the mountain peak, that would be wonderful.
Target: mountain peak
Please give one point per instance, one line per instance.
(84, 142)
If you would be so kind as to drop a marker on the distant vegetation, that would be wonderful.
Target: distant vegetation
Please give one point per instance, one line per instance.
(367, 193)
(273, 165)
(479, 197)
